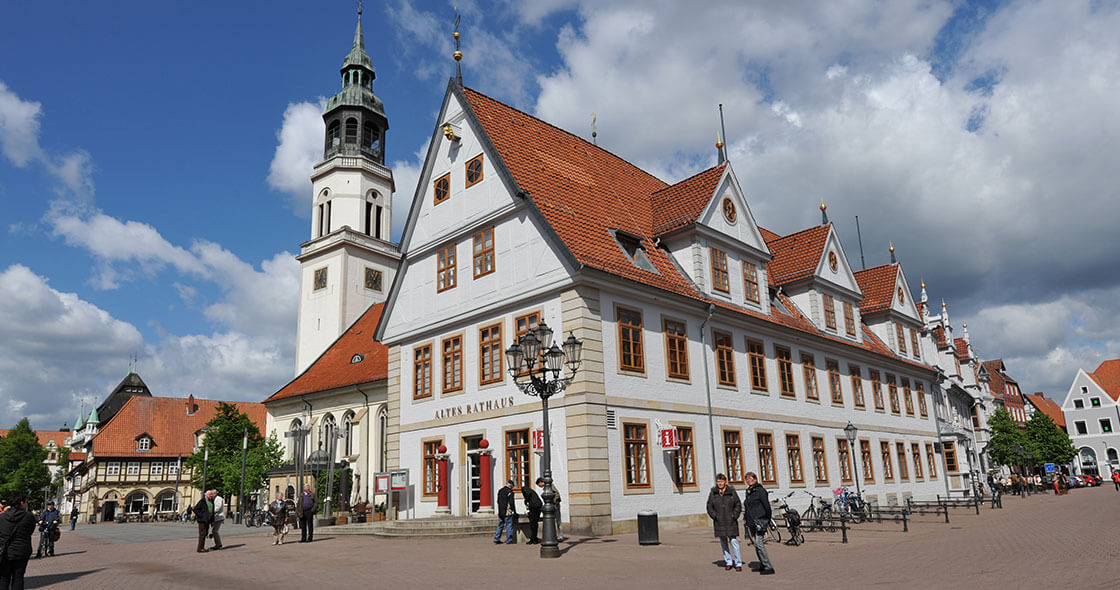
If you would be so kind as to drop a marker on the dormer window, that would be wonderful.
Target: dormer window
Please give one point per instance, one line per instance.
(720, 281)
(750, 281)
(849, 319)
(357, 359)
(143, 444)
(829, 311)
(900, 337)
(632, 246)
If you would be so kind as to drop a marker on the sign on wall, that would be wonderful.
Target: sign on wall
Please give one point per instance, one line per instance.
(668, 438)
(1051, 468)
(538, 439)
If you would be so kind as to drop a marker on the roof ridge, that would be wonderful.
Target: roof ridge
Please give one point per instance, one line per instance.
(684, 180)
(802, 231)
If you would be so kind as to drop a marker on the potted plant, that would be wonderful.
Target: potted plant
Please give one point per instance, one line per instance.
(379, 511)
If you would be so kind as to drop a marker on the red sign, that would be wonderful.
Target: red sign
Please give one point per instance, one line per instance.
(669, 439)
(538, 439)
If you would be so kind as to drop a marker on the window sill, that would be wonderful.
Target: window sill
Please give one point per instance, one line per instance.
(797, 485)
(859, 407)
(628, 491)
(792, 396)
(811, 400)
(632, 373)
(726, 387)
(680, 380)
(761, 392)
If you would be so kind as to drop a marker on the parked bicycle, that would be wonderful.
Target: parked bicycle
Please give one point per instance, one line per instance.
(852, 504)
(793, 521)
(257, 518)
(819, 510)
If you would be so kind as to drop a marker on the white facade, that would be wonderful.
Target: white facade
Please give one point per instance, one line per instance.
(1092, 417)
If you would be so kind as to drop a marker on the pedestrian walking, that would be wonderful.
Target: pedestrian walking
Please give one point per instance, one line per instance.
(278, 513)
(507, 512)
(204, 515)
(724, 508)
(1116, 479)
(308, 506)
(756, 513)
(219, 518)
(16, 526)
(533, 508)
(74, 513)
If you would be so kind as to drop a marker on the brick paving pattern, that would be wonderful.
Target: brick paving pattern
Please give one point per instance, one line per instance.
(1040, 541)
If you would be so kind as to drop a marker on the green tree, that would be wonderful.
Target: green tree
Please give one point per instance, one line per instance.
(1008, 443)
(1048, 443)
(224, 435)
(22, 467)
(58, 484)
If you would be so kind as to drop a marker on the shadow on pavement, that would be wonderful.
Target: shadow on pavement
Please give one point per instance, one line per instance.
(583, 540)
(68, 553)
(51, 579)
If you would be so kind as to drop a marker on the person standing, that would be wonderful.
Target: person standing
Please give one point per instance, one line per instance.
(16, 526)
(278, 512)
(204, 515)
(533, 508)
(219, 518)
(506, 513)
(756, 512)
(308, 504)
(555, 500)
(724, 508)
(48, 523)
(74, 513)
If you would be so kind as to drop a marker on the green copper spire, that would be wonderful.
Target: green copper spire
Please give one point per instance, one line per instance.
(80, 424)
(93, 417)
(357, 55)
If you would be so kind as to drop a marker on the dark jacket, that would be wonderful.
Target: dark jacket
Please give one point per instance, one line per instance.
(532, 500)
(505, 502)
(724, 509)
(278, 510)
(49, 518)
(756, 507)
(314, 505)
(16, 526)
(202, 511)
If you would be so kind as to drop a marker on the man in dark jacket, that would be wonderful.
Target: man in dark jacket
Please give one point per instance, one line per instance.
(756, 513)
(506, 513)
(16, 526)
(204, 515)
(533, 507)
(49, 520)
(307, 504)
(724, 508)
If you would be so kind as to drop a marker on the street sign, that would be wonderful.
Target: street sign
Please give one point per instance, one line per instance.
(381, 483)
(538, 439)
(1051, 468)
(668, 438)
(399, 479)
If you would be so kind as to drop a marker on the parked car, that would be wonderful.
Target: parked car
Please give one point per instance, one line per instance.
(1094, 480)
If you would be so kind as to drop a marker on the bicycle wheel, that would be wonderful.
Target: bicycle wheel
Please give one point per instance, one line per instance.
(775, 534)
(799, 538)
(809, 518)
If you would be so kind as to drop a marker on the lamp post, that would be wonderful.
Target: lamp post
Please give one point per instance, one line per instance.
(850, 431)
(534, 356)
(241, 497)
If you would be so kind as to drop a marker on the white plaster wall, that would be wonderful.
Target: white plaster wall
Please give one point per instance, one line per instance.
(320, 312)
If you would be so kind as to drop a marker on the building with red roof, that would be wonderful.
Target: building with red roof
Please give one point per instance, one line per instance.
(1092, 415)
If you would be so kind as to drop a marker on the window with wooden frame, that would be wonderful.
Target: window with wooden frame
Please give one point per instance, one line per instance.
(750, 281)
(725, 358)
(631, 355)
(892, 392)
(900, 338)
(490, 354)
(733, 455)
(931, 460)
(445, 268)
(785, 371)
(844, 453)
(483, 252)
(793, 455)
(452, 364)
(849, 319)
(676, 348)
(907, 396)
(820, 462)
(522, 325)
(834, 382)
(903, 472)
(518, 455)
(156, 469)
(422, 372)
(829, 305)
(720, 281)
(916, 452)
(921, 395)
(876, 390)
(637, 455)
(950, 450)
(113, 468)
(757, 355)
(888, 463)
(441, 189)
(766, 471)
(809, 371)
(473, 171)
(914, 344)
(685, 457)
(431, 480)
(857, 384)
(866, 462)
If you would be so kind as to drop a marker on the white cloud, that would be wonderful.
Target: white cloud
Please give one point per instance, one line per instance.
(300, 147)
(19, 142)
(406, 173)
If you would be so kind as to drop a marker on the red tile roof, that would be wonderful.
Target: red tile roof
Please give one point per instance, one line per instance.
(939, 334)
(767, 235)
(1108, 377)
(334, 369)
(962, 347)
(166, 421)
(1048, 407)
(797, 255)
(45, 436)
(878, 286)
(681, 204)
(997, 385)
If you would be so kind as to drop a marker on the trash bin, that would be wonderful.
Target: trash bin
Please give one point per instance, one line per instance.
(647, 528)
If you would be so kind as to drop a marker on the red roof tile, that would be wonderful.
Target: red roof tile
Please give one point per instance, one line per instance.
(334, 369)
(681, 204)
(877, 284)
(166, 421)
(1048, 407)
(1108, 377)
(962, 347)
(767, 235)
(45, 436)
(797, 255)
(939, 334)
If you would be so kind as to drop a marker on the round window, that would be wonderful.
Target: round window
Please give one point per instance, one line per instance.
(832, 262)
(729, 210)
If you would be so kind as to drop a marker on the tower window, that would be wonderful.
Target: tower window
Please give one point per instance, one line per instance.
(370, 137)
(442, 188)
(474, 170)
(351, 130)
(377, 222)
(333, 139)
(369, 217)
(320, 278)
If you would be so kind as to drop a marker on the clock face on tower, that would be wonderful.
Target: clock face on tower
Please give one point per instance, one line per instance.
(729, 210)
(373, 279)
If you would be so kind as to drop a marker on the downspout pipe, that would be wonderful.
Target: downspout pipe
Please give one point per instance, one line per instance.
(365, 438)
(708, 386)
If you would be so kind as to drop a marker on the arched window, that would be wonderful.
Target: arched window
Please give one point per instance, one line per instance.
(167, 502)
(351, 130)
(327, 433)
(383, 439)
(1088, 460)
(1112, 457)
(348, 445)
(293, 441)
(137, 503)
(333, 139)
(370, 137)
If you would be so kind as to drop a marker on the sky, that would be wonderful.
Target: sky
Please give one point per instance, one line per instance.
(154, 159)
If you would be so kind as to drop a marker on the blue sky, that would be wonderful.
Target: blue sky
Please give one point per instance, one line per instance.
(153, 174)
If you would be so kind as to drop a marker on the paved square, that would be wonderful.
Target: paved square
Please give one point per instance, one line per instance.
(1040, 541)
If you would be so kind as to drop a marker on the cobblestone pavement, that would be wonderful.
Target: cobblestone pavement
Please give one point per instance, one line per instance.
(1035, 542)
(147, 532)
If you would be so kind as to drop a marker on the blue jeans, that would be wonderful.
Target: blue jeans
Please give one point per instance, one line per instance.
(733, 553)
(507, 522)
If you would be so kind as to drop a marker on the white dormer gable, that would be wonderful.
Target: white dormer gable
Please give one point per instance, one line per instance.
(833, 267)
(727, 213)
(902, 301)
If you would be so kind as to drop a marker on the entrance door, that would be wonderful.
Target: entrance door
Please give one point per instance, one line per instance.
(109, 512)
(474, 473)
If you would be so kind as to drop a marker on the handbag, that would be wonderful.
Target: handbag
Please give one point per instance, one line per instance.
(56, 534)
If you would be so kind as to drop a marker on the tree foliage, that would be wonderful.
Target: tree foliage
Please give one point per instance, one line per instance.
(1047, 442)
(1008, 444)
(22, 467)
(224, 435)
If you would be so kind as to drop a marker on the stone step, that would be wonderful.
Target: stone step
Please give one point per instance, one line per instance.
(421, 527)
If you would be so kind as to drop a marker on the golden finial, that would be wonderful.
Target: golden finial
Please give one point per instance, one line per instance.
(823, 206)
(892, 246)
(458, 55)
(923, 282)
(719, 141)
(942, 303)
(964, 325)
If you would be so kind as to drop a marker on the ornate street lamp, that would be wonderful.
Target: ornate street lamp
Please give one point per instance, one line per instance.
(533, 357)
(851, 432)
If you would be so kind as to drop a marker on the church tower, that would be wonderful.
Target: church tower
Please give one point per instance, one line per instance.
(349, 262)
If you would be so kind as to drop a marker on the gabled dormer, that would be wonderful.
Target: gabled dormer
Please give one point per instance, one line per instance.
(705, 223)
(144, 442)
(889, 310)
